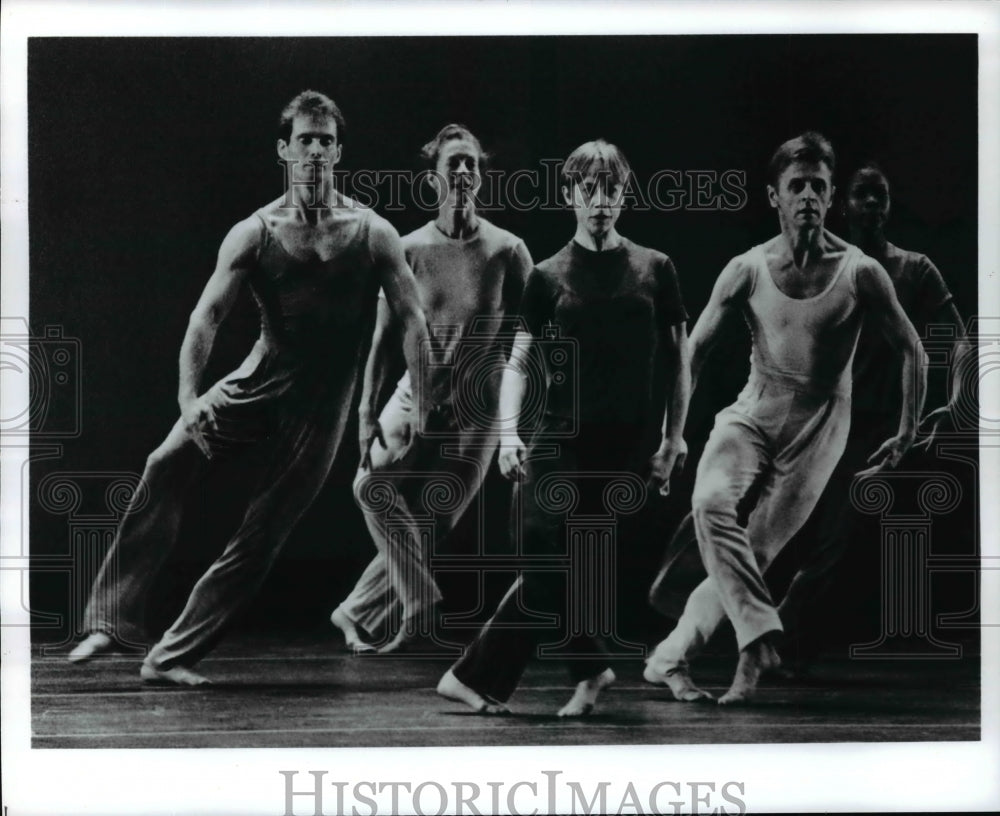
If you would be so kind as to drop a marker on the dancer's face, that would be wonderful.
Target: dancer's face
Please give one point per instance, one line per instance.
(312, 147)
(868, 201)
(457, 173)
(803, 194)
(597, 203)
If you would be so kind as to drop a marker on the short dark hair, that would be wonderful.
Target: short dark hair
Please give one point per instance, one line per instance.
(310, 103)
(869, 166)
(809, 147)
(432, 150)
(599, 157)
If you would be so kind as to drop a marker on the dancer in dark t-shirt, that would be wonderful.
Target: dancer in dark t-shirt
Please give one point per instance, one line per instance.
(606, 305)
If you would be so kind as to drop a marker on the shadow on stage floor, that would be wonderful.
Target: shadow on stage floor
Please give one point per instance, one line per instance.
(271, 691)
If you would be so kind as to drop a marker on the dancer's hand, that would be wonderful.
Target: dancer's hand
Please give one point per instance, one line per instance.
(930, 424)
(198, 416)
(667, 461)
(369, 430)
(888, 454)
(512, 456)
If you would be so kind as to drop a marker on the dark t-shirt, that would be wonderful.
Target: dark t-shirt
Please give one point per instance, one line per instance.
(922, 293)
(612, 307)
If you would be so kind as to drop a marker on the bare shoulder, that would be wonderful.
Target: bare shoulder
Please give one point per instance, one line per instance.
(381, 230)
(242, 242)
(873, 284)
(275, 211)
(870, 271)
(736, 279)
(383, 239)
(834, 244)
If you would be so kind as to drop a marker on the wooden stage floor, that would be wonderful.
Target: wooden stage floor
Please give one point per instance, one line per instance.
(270, 691)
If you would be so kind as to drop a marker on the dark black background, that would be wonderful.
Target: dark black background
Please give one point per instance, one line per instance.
(143, 152)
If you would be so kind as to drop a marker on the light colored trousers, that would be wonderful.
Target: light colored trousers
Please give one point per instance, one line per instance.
(791, 439)
(415, 493)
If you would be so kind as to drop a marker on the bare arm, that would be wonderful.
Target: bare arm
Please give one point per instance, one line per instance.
(879, 298)
(401, 293)
(513, 385)
(673, 450)
(962, 350)
(958, 381)
(512, 389)
(728, 296)
(677, 356)
(237, 254)
(376, 371)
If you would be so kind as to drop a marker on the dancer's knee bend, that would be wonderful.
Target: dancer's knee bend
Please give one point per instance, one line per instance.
(164, 462)
(374, 493)
(358, 484)
(713, 501)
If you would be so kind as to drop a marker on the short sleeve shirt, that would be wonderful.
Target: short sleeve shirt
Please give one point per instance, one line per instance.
(609, 311)
(923, 294)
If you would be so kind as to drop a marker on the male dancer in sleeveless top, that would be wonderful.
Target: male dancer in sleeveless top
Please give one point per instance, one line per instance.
(803, 295)
(314, 261)
(470, 275)
(875, 398)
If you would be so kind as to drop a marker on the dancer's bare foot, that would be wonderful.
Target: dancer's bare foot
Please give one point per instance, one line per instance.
(585, 697)
(416, 633)
(454, 689)
(351, 636)
(177, 676)
(756, 659)
(679, 682)
(94, 645)
(403, 636)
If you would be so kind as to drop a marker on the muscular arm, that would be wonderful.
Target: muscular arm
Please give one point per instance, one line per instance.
(962, 349)
(957, 382)
(673, 449)
(376, 371)
(512, 390)
(513, 384)
(236, 257)
(878, 297)
(676, 354)
(401, 294)
(728, 296)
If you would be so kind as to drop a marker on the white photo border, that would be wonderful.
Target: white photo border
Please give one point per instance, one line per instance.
(777, 778)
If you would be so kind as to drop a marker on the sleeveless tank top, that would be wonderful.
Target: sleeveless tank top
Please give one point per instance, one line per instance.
(316, 317)
(806, 343)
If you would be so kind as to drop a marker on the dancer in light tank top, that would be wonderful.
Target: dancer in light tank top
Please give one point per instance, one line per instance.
(803, 295)
(835, 523)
